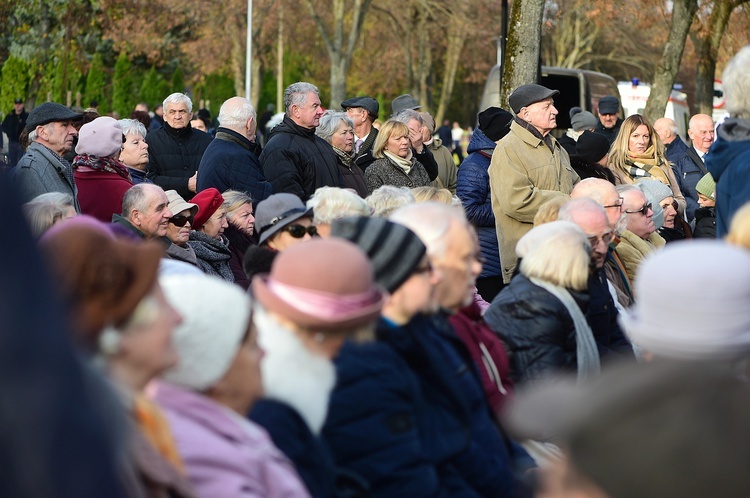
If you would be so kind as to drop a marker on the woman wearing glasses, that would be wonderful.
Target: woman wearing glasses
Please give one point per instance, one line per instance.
(284, 221)
(178, 230)
(207, 237)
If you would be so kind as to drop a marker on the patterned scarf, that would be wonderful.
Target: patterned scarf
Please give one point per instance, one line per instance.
(345, 157)
(646, 165)
(108, 164)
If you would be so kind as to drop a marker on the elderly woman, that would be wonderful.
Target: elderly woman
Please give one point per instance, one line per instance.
(386, 199)
(304, 313)
(45, 210)
(395, 163)
(540, 314)
(338, 130)
(101, 178)
(179, 227)
(666, 221)
(331, 203)
(638, 153)
(121, 317)
(207, 237)
(283, 221)
(240, 233)
(208, 394)
(134, 151)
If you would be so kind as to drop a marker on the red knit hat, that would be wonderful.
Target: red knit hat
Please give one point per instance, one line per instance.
(208, 202)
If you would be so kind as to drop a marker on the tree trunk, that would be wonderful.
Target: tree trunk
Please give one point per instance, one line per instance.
(521, 58)
(683, 12)
(280, 65)
(236, 27)
(707, 41)
(457, 33)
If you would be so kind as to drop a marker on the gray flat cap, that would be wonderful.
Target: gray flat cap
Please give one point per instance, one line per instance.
(525, 95)
(367, 103)
(584, 120)
(49, 112)
(402, 102)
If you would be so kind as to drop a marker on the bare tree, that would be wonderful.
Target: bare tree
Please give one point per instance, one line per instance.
(683, 12)
(521, 58)
(458, 30)
(339, 54)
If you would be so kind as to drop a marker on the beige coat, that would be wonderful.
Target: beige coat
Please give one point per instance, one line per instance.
(447, 169)
(633, 250)
(524, 174)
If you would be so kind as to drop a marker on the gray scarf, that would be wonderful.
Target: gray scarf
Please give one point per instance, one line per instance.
(213, 255)
(587, 354)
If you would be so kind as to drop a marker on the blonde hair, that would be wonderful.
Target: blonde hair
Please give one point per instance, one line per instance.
(390, 128)
(430, 193)
(45, 210)
(619, 152)
(549, 210)
(557, 252)
(233, 200)
(387, 198)
(739, 228)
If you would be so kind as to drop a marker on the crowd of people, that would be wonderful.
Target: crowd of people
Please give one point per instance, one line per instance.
(346, 312)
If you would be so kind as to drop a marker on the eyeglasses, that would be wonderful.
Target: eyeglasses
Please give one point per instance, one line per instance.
(606, 238)
(180, 221)
(299, 231)
(617, 204)
(644, 210)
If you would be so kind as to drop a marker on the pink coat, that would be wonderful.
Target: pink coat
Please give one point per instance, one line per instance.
(226, 455)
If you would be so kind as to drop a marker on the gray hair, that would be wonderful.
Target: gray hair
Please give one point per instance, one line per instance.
(233, 200)
(736, 83)
(387, 198)
(331, 203)
(136, 198)
(296, 94)
(178, 98)
(557, 252)
(428, 121)
(407, 115)
(132, 127)
(582, 205)
(431, 221)
(45, 210)
(330, 122)
(235, 113)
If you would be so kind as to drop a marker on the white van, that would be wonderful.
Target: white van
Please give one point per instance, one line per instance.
(635, 95)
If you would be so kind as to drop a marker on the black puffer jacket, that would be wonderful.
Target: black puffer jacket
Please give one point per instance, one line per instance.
(539, 333)
(174, 156)
(297, 161)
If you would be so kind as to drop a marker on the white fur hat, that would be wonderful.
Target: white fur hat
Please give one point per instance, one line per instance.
(693, 302)
(215, 317)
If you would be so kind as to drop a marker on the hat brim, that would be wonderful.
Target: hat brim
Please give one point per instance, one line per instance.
(182, 206)
(283, 223)
(73, 116)
(270, 301)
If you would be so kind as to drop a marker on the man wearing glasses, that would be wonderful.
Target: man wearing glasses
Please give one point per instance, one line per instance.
(640, 238)
(609, 117)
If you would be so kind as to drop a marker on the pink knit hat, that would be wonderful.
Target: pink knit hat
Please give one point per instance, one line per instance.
(101, 137)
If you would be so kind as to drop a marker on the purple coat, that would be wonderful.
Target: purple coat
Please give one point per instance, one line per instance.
(226, 454)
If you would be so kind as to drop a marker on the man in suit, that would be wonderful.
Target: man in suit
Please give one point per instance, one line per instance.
(363, 111)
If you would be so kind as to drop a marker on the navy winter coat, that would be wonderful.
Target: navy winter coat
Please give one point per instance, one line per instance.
(297, 161)
(473, 188)
(229, 163)
(174, 156)
(686, 171)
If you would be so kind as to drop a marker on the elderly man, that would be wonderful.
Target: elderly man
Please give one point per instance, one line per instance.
(601, 313)
(604, 193)
(145, 212)
(609, 117)
(230, 161)
(528, 168)
(639, 239)
(363, 111)
(175, 150)
(446, 357)
(295, 160)
(42, 169)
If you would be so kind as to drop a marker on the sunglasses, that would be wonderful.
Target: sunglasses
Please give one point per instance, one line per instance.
(180, 221)
(299, 231)
(644, 210)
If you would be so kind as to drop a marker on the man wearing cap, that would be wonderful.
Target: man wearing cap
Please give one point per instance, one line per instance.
(363, 111)
(230, 161)
(403, 102)
(145, 212)
(528, 168)
(295, 160)
(580, 121)
(42, 169)
(13, 124)
(609, 117)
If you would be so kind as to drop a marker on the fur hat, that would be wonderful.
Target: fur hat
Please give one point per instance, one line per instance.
(394, 250)
(525, 95)
(706, 186)
(215, 319)
(208, 201)
(324, 284)
(101, 137)
(706, 316)
(102, 277)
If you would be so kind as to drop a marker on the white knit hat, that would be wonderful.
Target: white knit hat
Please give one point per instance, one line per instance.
(693, 302)
(215, 316)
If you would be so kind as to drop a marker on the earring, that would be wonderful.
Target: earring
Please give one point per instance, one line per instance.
(109, 341)
(319, 337)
